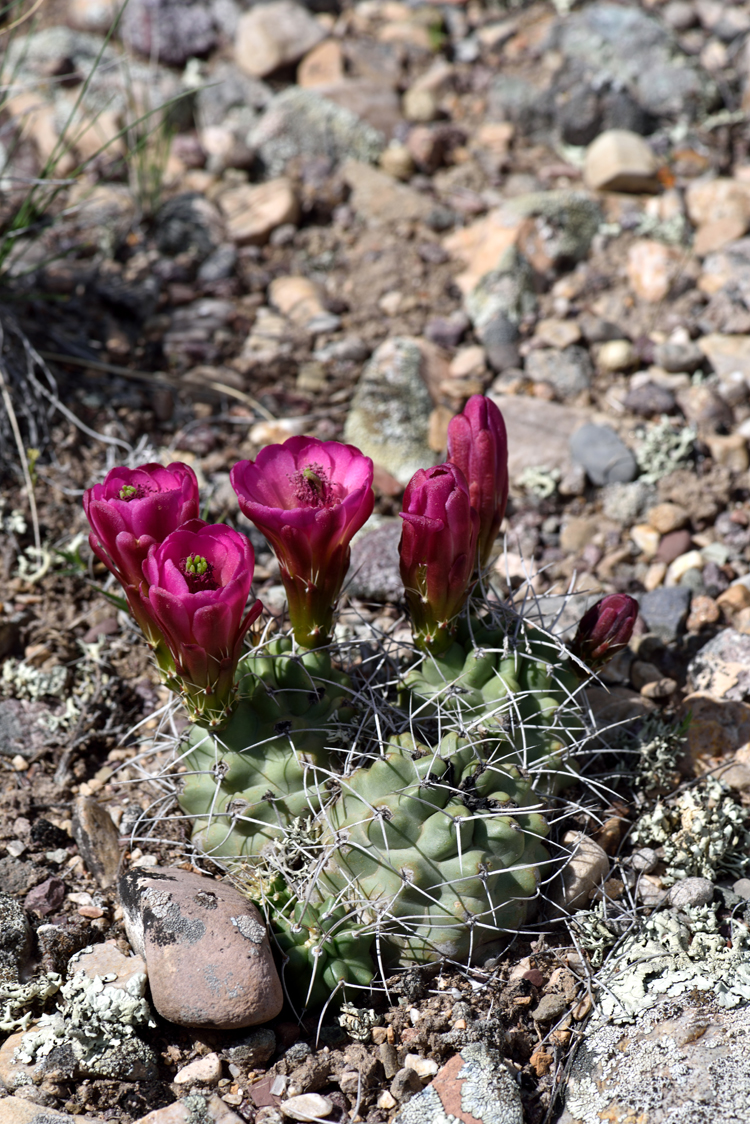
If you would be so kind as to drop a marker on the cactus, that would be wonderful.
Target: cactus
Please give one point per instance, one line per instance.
(512, 680)
(247, 783)
(439, 850)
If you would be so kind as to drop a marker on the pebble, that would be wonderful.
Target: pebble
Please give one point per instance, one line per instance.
(380, 199)
(306, 1106)
(106, 960)
(323, 64)
(255, 1049)
(742, 888)
(170, 31)
(719, 731)
(202, 1071)
(18, 1110)
(541, 430)
(673, 545)
(665, 611)
(419, 105)
(690, 892)
(272, 35)
(651, 267)
(397, 161)
(46, 897)
(423, 1067)
(586, 869)
(619, 160)
(207, 1110)
(644, 860)
(568, 372)
(550, 1008)
(604, 456)
(729, 450)
(692, 560)
(672, 1061)
(253, 211)
(616, 355)
(704, 408)
(557, 333)
(649, 400)
(389, 418)
(98, 839)
(722, 667)
(474, 1087)
(405, 1083)
(726, 353)
(666, 517)
(645, 538)
(704, 611)
(300, 300)
(206, 949)
(304, 123)
(15, 939)
(676, 357)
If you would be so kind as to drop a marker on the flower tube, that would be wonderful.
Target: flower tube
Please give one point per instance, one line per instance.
(605, 629)
(478, 445)
(128, 513)
(309, 498)
(437, 552)
(198, 582)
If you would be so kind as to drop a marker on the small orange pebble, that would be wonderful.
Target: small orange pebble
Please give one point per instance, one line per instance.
(541, 1062)
(91, 911)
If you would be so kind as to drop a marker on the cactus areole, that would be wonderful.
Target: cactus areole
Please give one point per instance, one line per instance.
(373, 807)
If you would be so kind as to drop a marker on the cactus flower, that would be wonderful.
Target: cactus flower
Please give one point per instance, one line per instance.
(437, 552)
(198, 582)
(128, 513)
(605, 629)
(478, 445)
(308, 497)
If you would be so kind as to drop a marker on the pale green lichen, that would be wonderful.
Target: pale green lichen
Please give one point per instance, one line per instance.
(540, 481)
(488, 1093)
(702, 834)
(663, 448)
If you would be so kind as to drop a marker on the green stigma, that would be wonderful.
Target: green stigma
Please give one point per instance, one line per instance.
(127, 491)
(315, 482)
(194, 564)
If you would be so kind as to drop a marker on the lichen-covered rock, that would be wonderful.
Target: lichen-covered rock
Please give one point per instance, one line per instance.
(474, 1087)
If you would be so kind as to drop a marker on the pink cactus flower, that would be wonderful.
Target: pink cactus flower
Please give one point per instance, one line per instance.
(478, 445)
(605, 629)
(309, 498)
(198, 582)
(438, 552)
(128, 513)
(135, 508)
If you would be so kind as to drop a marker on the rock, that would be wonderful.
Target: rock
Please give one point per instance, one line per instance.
(253, 211)
(273, 35)
(541, 432)
(720, 208)
(46, 897)
(666, 517)
(722, 667)
(619, 160)
(483, 244)
(677, 357)
(586, 868)
(729, 451)
(379, 199)
(568, 372)
(15, 939)
(691, 560)
(322, 65)
(306, 1106)
(474, 1087)
(645, 538)
(206, 949)
(674, 1061)
(727, 354)
(550, 1008)
(651, 268)
(170, 31)
(704, 408)
(300, 300)
(107, 960)
(419, 105)
(390, 412)
(396, 161)
(374, 571)
(577, 532)
(18, 1110)
(557, 333)
(644, 860)
(371, 100)
(665, 611)
(690, 892)
(207, 1110)
(254, 1050)
(719, 731)
(497, 305)
(304, 123)
(92, 15)
(616, 355)
(188, 223)
(604, 456)
(405, 1084)
(613, 706)
(673, 545)
(202, 1071)
(98, 839)
(566, 226)
(423, 1067)
(625, 503)
(650, 400)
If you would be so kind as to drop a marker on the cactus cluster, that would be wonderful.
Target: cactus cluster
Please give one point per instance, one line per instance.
(381, 818)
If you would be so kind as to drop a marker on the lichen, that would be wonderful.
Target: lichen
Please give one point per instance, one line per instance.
(702, 834)
(540, 481)
(663, 448)
(488, 1093)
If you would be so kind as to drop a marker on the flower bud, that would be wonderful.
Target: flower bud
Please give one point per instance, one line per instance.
(478, 445)
(437, 552)
(198, 582)
(605, 629)
(309, 498)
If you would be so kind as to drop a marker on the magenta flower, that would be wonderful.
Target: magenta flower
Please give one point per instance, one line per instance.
(309, 498)
(605, 629)
(438, 551)
(198, 582)
(128, 513)
(478, 445)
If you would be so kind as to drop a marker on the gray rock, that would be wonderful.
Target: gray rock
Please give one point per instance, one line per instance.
(507, 291)
(405, 1084)
(665, 611)
(633, 50)
(475, 1084)
(300, 122)
(722, 666)
(605, 457)
(674, 1063)
(188, 223)
(568, 372)
(677, 357)
(374, 571)
(627, 503)
(690, 892)
(15, 939)
(194, 1109)
(515, 99)
(171, 31)
(206, 948)
(98, 839)
(541, 431)
(549, 1008)
(650, 400)
(390, 412)
(226, 89)
(255, 1049)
